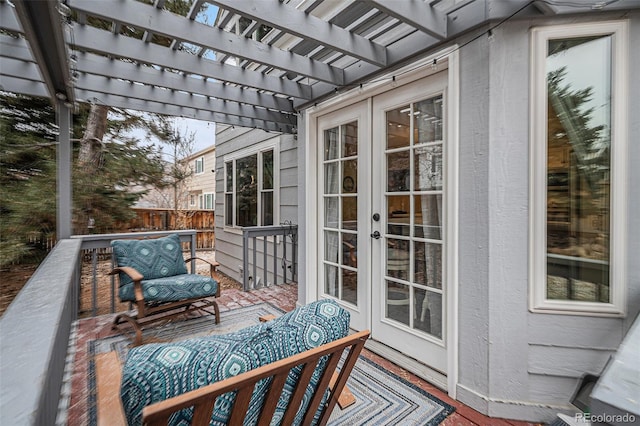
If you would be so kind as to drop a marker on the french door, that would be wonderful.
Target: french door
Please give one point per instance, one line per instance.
(343, 188)
(381, 201)
(408, 279)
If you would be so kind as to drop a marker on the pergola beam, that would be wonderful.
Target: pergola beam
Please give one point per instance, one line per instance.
(41, 23)
(114, 68)
(416, 13)
(293, 21)
(171, 97)
(89, 38)
(158, 21)
(181, 111)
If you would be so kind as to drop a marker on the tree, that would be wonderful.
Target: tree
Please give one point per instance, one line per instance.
(105, 185)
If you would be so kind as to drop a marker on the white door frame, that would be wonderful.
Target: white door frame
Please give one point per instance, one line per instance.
(447, 58)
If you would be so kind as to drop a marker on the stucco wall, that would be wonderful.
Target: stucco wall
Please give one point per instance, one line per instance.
(229, 241)
(514, 363)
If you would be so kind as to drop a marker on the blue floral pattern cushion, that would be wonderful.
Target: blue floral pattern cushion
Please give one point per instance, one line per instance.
(156, 372)
(162, 265)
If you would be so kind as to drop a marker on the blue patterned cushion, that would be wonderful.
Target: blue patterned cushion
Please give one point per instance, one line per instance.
(174, 288)
(156, 372)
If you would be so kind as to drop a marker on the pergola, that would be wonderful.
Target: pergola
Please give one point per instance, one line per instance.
(285, 56)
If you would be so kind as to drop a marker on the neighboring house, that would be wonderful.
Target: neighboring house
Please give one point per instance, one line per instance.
(200, 192)
(472, 209)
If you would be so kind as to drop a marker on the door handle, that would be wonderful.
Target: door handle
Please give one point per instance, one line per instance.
(375, 235)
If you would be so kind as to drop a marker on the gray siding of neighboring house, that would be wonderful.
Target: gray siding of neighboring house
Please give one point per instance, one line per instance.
(515, 363)
(229, 241)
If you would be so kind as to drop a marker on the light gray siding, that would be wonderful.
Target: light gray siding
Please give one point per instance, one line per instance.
(229, 140)
(515, 363)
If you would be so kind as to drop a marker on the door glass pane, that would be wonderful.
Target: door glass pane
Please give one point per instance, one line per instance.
(331, 280)
(331, 212)
(350, 139)
(331, 151)
(398, 258)
(428, 216)
(427, 120)
(331, 246)
(350, 286)
(331, 178)
(350, 179)
(350, 250)
(398, 127)
(350, 213)
(428, 264)
(579, 168)
(427, 168)
(398, 207)
(398, 174)
(397, 302)
(428, 312)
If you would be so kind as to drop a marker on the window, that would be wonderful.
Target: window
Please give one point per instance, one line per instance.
(578, 145)
(250, 183)
(199, 165)
(207, 201)
(192, 200)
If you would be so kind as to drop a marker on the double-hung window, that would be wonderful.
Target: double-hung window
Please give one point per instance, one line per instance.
(207, 201)
(578, 184)
(199, 165)
(250, 182)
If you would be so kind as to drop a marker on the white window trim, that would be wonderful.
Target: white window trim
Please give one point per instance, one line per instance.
(195, 169)
(273, 144)
(538, 179)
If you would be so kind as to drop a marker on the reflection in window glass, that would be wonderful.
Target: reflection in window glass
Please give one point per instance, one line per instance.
(428, 216)
(350, 213)
(427, 168)
(331, 144)
(350, 139)
(247, 191)
(267, 170)
(398, 171)
(398, 126)
(427, 120)
(578, 168)
(397, 302)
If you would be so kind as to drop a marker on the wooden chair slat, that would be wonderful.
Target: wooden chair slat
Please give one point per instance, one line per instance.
(298, 393)
(330, 367)
(202, 413)
(272, 398)
(240, 405)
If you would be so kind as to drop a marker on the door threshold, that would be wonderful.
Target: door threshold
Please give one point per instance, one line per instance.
(412, 365)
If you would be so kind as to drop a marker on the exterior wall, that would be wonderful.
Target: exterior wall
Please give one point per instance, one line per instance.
(515, 363)
(204, 182)
(229, 240)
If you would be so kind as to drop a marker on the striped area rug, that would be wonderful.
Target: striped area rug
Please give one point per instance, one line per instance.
(382, 398)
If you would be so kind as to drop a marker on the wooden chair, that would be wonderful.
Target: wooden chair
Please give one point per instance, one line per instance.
(153, 276)
(321, 404)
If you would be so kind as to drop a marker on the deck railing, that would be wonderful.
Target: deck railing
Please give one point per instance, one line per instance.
(283, 263)
(35, 329)
(35, 332)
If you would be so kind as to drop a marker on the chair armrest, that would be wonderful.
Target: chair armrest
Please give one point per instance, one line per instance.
(131, 272)
(212, 265)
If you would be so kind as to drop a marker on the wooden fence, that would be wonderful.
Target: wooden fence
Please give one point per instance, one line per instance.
(203, 221)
